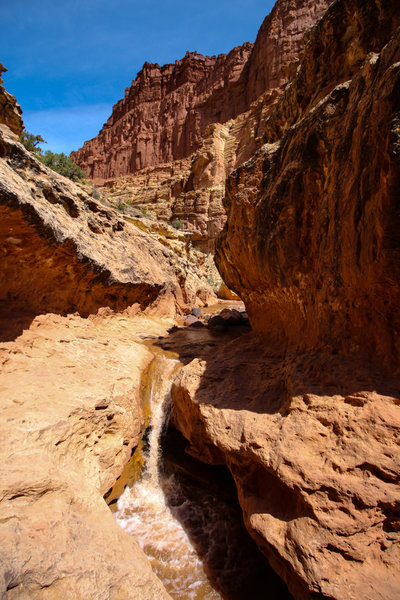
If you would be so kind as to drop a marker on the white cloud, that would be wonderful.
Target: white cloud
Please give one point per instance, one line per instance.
(66, 128)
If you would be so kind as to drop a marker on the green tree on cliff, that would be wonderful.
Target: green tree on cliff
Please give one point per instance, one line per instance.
(31, 142)
(61, 163)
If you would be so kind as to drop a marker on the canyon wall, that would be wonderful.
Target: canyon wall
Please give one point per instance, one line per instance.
(318, 203)
(305, 410)
(186, 183)
(166, 110)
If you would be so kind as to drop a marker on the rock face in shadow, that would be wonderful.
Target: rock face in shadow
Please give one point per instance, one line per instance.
(71, 415)
(317, 205)
(165, 112)
(62, 251)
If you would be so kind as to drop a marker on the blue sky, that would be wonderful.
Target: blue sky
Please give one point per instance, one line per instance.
(69, 61)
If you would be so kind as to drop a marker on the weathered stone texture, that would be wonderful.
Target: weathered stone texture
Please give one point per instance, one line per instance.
(311, 440)
(71, 414)
(63, 251)
(312, 239)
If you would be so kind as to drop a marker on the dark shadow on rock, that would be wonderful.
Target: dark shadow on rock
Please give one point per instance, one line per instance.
(203, 499)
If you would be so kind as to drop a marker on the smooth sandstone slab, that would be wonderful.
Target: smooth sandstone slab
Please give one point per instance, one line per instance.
(70, 416)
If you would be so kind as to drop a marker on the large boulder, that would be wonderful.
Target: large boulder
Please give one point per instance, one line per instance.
(311, 441)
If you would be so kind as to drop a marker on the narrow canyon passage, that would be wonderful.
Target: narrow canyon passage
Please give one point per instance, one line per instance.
(191, 528)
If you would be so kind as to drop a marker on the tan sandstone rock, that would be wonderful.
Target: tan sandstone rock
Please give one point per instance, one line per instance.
(70, 416)
(10, 110)
(312, 442)
(63, 251)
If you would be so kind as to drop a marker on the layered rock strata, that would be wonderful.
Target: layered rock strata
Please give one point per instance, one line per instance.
(191, 189)
(188, 192)
(63, 251)
(165, 112)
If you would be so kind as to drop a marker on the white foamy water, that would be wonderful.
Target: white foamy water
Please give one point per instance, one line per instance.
(143, 510)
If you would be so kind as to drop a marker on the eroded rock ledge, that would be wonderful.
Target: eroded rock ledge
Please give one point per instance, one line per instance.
(63, 251)
(312, 442)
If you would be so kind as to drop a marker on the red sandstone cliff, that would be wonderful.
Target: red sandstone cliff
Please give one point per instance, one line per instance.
(166, 110)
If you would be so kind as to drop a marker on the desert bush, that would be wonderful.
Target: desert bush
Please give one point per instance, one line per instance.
(177, 223)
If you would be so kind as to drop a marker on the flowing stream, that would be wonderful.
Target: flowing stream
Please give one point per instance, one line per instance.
(195, 541)
(143, 509)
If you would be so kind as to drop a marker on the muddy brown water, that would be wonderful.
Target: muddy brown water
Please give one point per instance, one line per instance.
(185, 515)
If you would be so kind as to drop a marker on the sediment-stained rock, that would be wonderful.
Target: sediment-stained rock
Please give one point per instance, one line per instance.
(312, 442)
(70, 416)
(312, 239)
(62, 251)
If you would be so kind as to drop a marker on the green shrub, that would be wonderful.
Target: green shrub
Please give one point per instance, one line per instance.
(31, 142)
(177, 223)
(64, 165)
(61, 163)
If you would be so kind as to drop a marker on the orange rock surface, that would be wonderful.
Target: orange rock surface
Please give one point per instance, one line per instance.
(311, 440)
(71, 414)
(311, 243)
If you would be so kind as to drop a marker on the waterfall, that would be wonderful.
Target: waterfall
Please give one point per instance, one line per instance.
(159, 509)
(143, 509)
